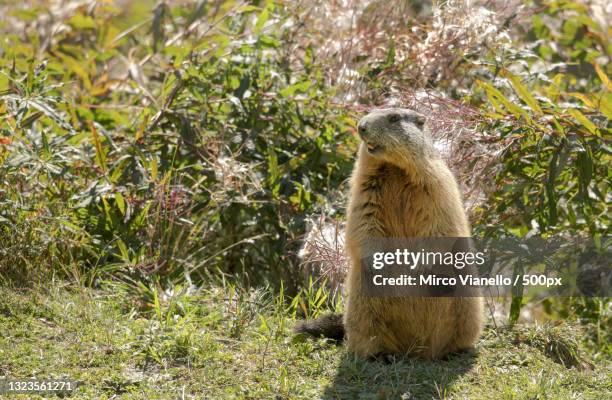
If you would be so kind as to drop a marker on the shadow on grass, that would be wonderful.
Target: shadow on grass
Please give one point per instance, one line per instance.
(405, 378)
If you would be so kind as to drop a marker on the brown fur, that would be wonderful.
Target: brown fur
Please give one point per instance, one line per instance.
(329, 326)
(404, 189)
(401, 187)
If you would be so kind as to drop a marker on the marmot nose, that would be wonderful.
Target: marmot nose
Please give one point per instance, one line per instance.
(362, 128)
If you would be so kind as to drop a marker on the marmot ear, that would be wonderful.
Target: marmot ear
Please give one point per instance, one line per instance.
(420, 120)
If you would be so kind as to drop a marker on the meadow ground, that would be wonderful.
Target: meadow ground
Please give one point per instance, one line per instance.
(219, 344)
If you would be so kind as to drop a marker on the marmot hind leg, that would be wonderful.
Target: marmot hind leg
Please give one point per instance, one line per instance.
(469, 324)
(364, 335)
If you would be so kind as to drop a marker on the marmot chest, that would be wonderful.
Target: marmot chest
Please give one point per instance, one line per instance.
(398, 207)
(408, 210)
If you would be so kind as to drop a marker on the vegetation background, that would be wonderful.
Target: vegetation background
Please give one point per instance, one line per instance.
(173, 180)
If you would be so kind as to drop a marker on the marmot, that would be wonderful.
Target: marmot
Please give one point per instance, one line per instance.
(401, 187)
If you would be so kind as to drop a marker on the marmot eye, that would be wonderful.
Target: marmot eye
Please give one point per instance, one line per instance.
(394, 118)
(419, 120)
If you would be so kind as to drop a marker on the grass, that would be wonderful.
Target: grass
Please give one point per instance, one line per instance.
(180, 141)
(226, 343)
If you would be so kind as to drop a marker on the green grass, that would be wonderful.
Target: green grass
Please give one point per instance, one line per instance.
(183, 142)
(223, 343)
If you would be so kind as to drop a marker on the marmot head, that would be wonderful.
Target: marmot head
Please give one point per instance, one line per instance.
(397, 136)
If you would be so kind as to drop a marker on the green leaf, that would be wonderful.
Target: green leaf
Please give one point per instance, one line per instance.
(603, 76)
(154, 169)
(142, 216)
(120, 203)
(49, 112)
(580, 117)
(248, 8)
(390, 60)
(45, 144)
(517, 292)
(550, 189)
(583, 98)
(157, 27)
(522, 91)
(125, 255)
(77, 68)
(264, 326)
(262, 19)
(300, 87)
(605, 105)
(243, 87)
(80, 21)
(100, 154)
(585, 164)
(107, 213)
(495, 95)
